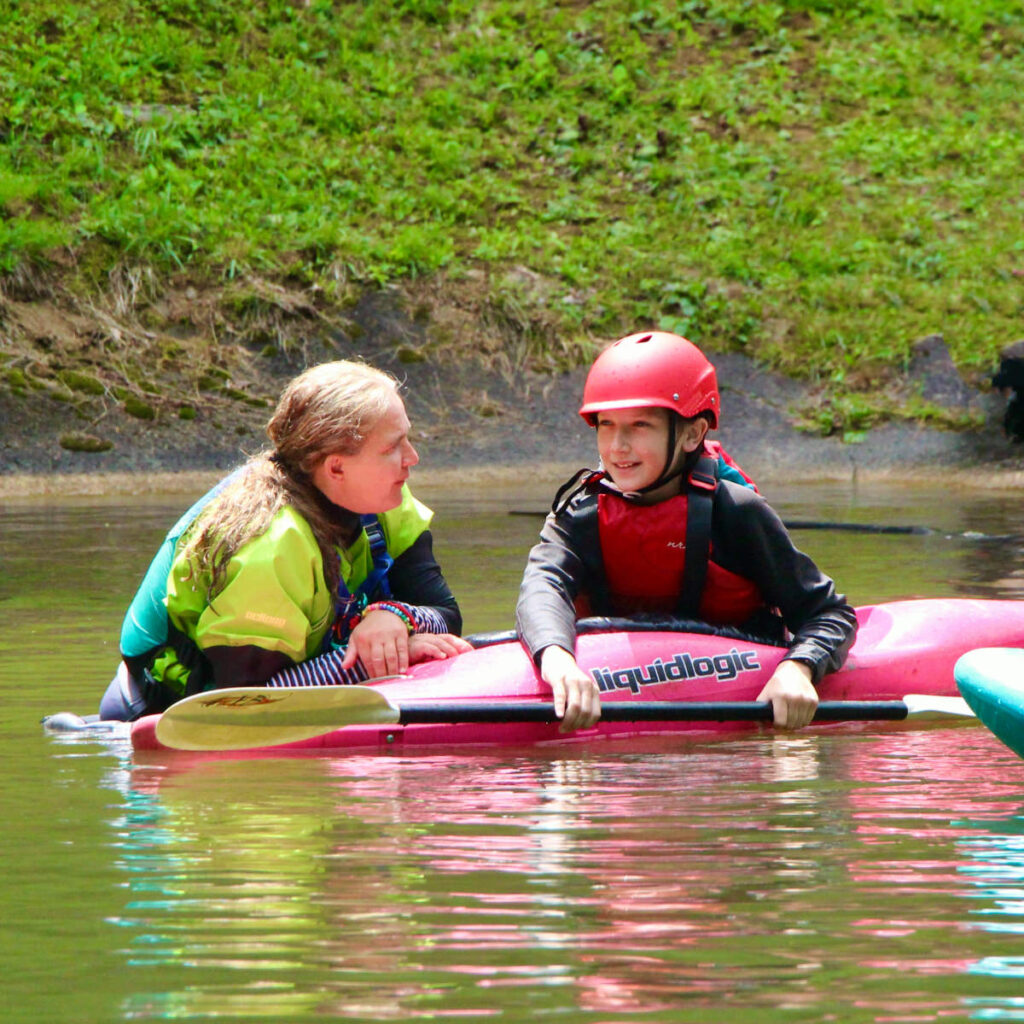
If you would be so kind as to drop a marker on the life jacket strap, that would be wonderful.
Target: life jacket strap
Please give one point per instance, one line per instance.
(705, 475)
(377, 580)
(581, 479)
(348, 605)
(701, 486)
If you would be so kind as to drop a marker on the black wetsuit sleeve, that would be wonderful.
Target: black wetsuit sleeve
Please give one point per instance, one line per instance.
(749, 539)
(416, 579)
(556, 571)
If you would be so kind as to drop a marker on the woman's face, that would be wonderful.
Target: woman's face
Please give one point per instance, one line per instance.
(633, 445)
(371, 480)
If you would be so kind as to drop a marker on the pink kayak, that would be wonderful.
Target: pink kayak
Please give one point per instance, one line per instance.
(902, 647)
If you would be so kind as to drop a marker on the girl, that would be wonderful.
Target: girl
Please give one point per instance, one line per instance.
(312, 564)
(671, 525)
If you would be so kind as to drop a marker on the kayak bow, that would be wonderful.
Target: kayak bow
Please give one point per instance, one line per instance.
(992, 682)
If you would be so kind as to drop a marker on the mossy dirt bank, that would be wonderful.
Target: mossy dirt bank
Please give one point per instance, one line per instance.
(475, 418)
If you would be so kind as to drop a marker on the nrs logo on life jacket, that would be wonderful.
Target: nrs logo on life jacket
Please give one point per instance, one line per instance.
(722, 667)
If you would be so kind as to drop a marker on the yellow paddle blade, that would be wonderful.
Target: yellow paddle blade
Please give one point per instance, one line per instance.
(244, 717)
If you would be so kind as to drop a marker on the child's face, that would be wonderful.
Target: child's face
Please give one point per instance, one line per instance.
(633, 445)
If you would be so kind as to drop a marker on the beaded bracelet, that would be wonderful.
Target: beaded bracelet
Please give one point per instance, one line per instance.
(395, 609)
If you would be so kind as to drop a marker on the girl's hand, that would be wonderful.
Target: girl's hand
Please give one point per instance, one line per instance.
(436, 646)
(794, 699)
(381, 642)
(576, 696)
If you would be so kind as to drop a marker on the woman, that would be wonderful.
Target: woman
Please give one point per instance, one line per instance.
(310, 565)
(672, 526)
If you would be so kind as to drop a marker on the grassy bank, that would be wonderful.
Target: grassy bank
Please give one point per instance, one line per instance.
(816, 183)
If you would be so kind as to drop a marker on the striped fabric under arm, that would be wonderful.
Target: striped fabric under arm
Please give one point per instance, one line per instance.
(426, 620)
(326, 670)
(323, 670)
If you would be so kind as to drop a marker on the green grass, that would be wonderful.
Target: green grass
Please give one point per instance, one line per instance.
(816, 183)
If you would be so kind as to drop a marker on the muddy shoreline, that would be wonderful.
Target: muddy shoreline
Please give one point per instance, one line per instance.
(471, 424)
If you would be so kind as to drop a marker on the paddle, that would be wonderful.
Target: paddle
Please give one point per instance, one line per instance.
(256, 716)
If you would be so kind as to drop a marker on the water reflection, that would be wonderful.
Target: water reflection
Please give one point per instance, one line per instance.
(857, 873)
(741, 874)
(994, 865)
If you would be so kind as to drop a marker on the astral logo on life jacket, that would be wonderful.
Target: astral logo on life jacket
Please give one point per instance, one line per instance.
(722, 667)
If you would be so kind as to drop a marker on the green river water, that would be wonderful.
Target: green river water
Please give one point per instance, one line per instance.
(858, 873)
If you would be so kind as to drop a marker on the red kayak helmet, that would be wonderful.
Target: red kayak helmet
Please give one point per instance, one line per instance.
(653, 368)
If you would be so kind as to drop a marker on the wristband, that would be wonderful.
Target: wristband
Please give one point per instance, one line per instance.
(395, 609)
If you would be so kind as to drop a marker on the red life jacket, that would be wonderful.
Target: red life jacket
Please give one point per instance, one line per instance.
(643, 548)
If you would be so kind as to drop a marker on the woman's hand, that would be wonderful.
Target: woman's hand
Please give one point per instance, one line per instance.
(436, 646)
(576, 696)
(381, 642)
(794, 699)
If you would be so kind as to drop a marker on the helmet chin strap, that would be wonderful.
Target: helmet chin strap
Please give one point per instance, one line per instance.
(678, 463)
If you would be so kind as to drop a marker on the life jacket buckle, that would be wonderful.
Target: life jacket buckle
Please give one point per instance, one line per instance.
(703, 483)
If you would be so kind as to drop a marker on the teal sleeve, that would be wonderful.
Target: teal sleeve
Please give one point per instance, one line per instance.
(145, 622)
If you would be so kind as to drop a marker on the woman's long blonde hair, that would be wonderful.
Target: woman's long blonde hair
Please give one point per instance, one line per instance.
(329, 409)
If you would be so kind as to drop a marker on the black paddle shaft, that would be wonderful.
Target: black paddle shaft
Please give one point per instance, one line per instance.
(646, 711)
